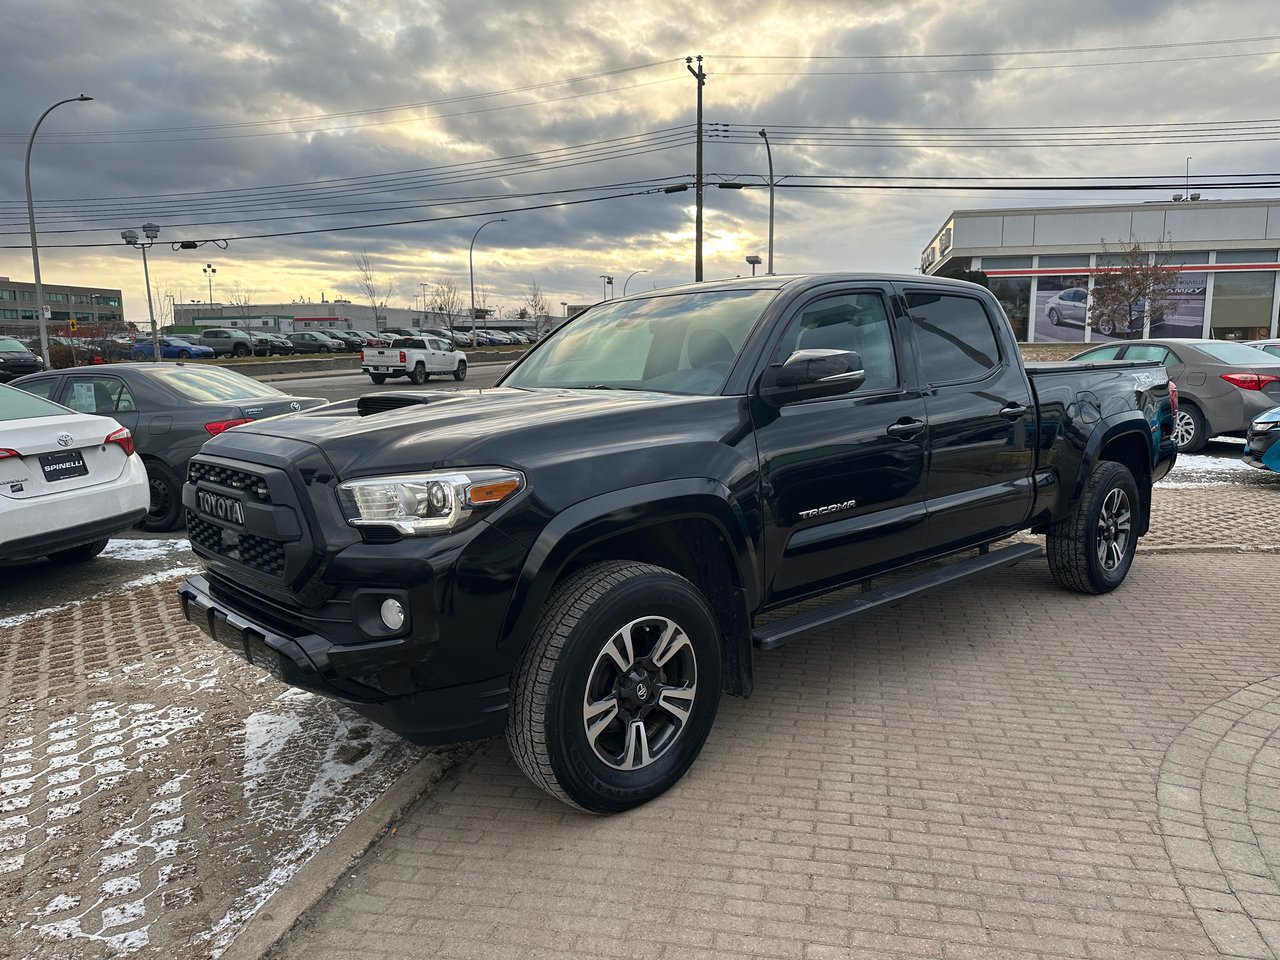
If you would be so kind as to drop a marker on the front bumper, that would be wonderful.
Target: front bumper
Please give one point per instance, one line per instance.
(446, 715)
(1262, 450)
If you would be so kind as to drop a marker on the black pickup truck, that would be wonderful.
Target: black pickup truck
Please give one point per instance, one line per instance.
(581, 556)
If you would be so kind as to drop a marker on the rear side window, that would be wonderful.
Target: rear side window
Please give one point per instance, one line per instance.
(40, 388)
(955, 336)
(1102, 353)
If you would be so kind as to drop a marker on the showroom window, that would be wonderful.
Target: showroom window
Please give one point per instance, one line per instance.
(1242, 304)
(1246, 256)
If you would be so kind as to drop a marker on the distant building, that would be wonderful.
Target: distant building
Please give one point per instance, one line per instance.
(1040, 263)
(98, 311)
(326, 315)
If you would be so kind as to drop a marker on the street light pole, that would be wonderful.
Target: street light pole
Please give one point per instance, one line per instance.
(769, 154)
(606, 282)
(424, 303)
(628, 280)
(209, 271)
(130, 237)
(41, 322)
(471, 270)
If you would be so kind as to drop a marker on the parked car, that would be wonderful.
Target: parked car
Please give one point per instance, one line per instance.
(171, 409)
(1261, 448)
(16, 360)
(1222, 386)
(171, 348)
(352, 342)
(583, 555)
(69, 480)
(390, 333)
(267, 344)
(1267, 346)
(1072, 306)
(462, 339)
(414, 357)
(370, 339)
(227, 341)
(313, 341)
(440, 334)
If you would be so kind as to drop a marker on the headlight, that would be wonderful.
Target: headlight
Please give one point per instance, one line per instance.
(424, 503)
(1262, 426)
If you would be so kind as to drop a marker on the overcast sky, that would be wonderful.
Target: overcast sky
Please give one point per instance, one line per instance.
(246, 118)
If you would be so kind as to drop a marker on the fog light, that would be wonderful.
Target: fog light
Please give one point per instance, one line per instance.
(392, 614)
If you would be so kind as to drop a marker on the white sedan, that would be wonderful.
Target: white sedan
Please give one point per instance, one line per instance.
(68, 480)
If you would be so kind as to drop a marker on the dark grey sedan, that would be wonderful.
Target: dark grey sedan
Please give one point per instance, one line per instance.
(171, 409)
(1222, 385)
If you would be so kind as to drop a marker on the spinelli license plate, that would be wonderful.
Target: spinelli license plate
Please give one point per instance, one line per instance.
(61, 466)
(227, 509)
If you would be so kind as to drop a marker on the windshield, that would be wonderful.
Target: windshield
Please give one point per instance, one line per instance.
(680, 343)
(207, 383)
(19, 405)
(9, 345)
(1235, 353)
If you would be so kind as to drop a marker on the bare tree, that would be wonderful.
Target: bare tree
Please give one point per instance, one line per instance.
(482, 301)
(536, 304)
(241, 299)
(1129, 293)
(371, 286)
(446, 300)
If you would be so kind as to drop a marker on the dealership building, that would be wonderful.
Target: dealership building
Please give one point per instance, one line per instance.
(1040, 262)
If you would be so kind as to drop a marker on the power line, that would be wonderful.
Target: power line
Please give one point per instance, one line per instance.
(999, 53)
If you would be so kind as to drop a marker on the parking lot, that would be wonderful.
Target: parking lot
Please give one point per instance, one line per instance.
(1003, 770)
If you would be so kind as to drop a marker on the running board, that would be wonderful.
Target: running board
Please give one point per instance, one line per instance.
(773, 635)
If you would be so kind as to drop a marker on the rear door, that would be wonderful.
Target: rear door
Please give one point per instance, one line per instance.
(982, 419)
(843, 477)
(101, 394)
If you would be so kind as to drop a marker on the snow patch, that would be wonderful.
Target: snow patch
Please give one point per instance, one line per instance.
(144, 550)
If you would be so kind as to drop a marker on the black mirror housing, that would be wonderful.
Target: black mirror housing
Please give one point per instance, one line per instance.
(808, 374)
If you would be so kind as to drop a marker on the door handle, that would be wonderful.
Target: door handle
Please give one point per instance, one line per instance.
(904, 429)
(1013, 411)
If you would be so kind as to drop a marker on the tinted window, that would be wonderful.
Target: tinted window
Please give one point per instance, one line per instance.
(1150, 351)
(20, 405)
(207, 383)
(1102, 353)
(41, 388)
(857, 322)
(954, 335)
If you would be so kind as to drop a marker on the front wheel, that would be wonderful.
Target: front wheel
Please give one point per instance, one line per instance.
(460, 371)
(618, 688)
(1091, 551)
(1054, 318)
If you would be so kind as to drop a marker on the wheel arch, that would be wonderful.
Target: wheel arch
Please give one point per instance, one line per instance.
(1125, 439)
(690, 527)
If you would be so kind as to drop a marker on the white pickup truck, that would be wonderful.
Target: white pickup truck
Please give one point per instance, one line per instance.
(414, 357)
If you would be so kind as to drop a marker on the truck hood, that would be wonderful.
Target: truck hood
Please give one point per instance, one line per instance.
(503, 426)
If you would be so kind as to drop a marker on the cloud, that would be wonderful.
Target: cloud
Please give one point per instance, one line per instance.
(184, 129)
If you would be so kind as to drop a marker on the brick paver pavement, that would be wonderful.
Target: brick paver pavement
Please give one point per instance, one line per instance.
(1003, 770)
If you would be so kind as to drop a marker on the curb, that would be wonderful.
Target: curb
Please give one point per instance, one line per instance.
(1209, 548)
(300, 894)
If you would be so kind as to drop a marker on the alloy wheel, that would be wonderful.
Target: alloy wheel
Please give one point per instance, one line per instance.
(1184, 429)
(1114, 530)
(640, 693)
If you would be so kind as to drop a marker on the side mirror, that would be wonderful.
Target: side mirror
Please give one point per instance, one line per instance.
(808, 374)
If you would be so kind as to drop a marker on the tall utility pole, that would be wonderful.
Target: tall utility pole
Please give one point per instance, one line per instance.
(701, 76)
(769, 153)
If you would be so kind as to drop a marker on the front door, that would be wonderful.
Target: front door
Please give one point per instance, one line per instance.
(842, 478)
(982, 419)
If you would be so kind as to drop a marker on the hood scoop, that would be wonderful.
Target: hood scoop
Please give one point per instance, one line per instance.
(372, 403)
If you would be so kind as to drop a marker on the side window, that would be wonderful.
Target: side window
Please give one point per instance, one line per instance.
(1150, 351)
(41, 388)
(856, 321)
(954, 335)
(100, 395)
(437, 345)
(1102, 353)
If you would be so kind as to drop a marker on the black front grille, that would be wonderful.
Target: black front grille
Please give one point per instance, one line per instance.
(249, 483)
(256, 553)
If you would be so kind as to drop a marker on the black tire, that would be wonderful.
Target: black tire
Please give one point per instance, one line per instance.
(165, 512)
(240, 351)
(460, 371)
(1189, 430)
(139, 356)
(1053, 317)
(184, 354)
(419, 373)
(566, 660)
(378, 378)
(1091, 551)
(81, 554)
